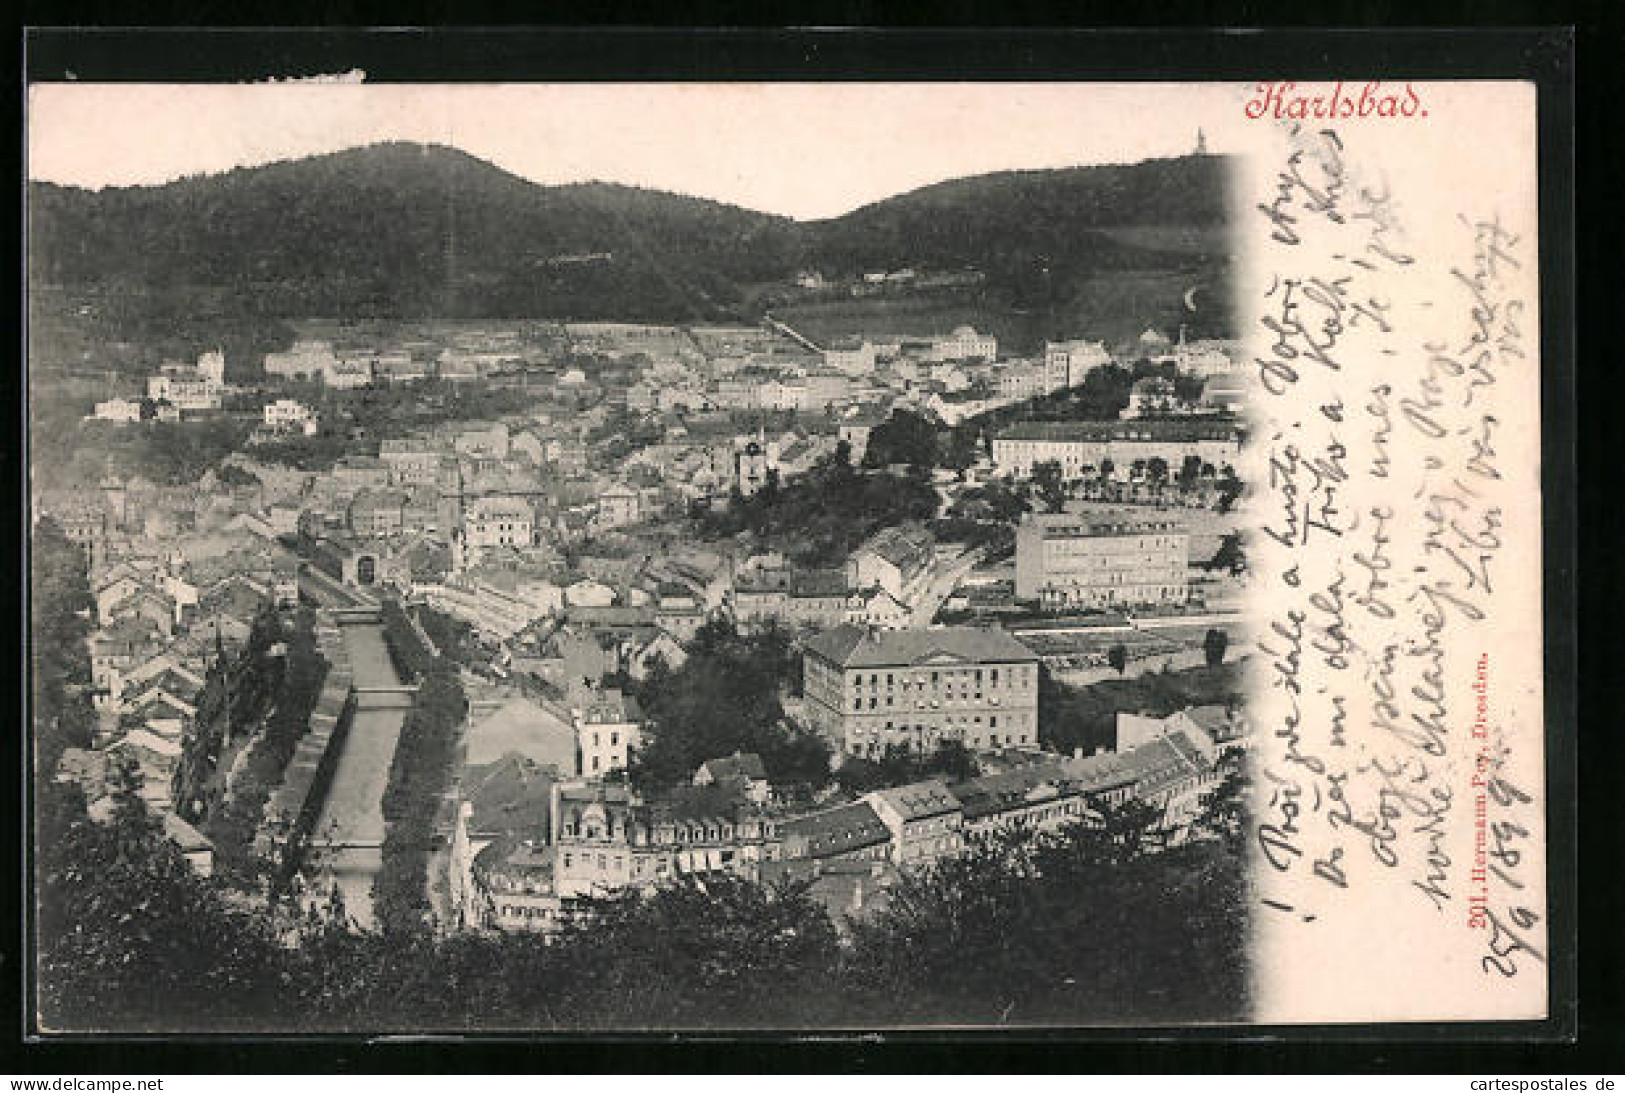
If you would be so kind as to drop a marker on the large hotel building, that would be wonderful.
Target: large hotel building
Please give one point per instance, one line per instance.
(1080, 447)
(1068, 560)
(921, 688)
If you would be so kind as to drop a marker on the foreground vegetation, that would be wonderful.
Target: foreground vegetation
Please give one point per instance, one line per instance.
(1072, 717)
(725, 698)
(419, 776)
(1078, 926)
(820, 517)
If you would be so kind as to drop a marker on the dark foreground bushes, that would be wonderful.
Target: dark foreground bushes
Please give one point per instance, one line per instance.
(1075, 928)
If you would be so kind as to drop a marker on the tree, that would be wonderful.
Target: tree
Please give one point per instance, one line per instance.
(60, 620)
(1038, 926)
(1047, 480)
(1229, 557)
(704, 950)
(1117, 657)
(1189, 471)
(1223, 813)
(1230, 488)
(899, 764)
(1156, 469)
(131, 938)
(1188, 388)
(1214, 646)
(724, 698)
(959, 451)
(418, 777)
(233, 475)
(905, 437)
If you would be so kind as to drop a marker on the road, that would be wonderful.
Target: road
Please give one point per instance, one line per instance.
(928, 599)
(352, 816)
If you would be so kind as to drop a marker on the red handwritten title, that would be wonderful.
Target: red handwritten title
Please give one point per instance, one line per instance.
(1340, 101)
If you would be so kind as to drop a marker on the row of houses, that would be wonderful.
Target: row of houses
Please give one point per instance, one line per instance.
(600, 838)
(162, 624)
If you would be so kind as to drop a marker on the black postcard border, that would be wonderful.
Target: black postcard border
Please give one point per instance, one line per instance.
(1545, 56)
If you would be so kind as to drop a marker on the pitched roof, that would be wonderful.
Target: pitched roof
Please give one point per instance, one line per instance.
(184, 835)
(704, 804)
(903, 547)
(1152, 429)
(612, 707)
(1211, 719)
(853, 647)
(159, 696)
(837, 830)
(86, 767)
(818, 582)
(509, 796)
(740, 766)
(1150, 767)
(151, 741)
(919, 800)
(994, 793)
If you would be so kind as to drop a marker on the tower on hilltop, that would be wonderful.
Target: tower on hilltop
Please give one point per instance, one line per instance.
(1201, 143)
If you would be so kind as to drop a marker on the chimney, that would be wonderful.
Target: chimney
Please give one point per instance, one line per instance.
(857, 896)
(1077, 753)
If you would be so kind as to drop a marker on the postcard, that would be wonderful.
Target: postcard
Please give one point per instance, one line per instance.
(540, 557)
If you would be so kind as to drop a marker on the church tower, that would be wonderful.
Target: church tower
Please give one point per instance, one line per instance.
(1201, 143)
(115, 496)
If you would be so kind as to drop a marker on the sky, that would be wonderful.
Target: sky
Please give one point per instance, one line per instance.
(802, 150)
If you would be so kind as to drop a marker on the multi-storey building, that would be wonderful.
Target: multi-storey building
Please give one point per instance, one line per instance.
(755, 460)
(855, 430)
(498, 521)
(608, 726)
(1069, 560)
(1020, 380)
(920, 688)
(122, 410)
(855, 357)
(1083, 447)
(617, 506)
(212, 366)
(1067, 363)
(1154, 396)
(892, 559)
(87, 523)
(411, 462)
(1207, 356)
(608, 837)
(964, 344)
(850, 832)
(306, 360)
(1041, 797)
(290, 415)
(924, 820)
(376, 513)
(184, 387)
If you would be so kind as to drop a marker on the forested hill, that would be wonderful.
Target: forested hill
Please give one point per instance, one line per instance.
(418, 231)
(1110, 215)
(401, 229)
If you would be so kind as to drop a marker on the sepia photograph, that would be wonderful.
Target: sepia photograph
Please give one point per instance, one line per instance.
(546, 558)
